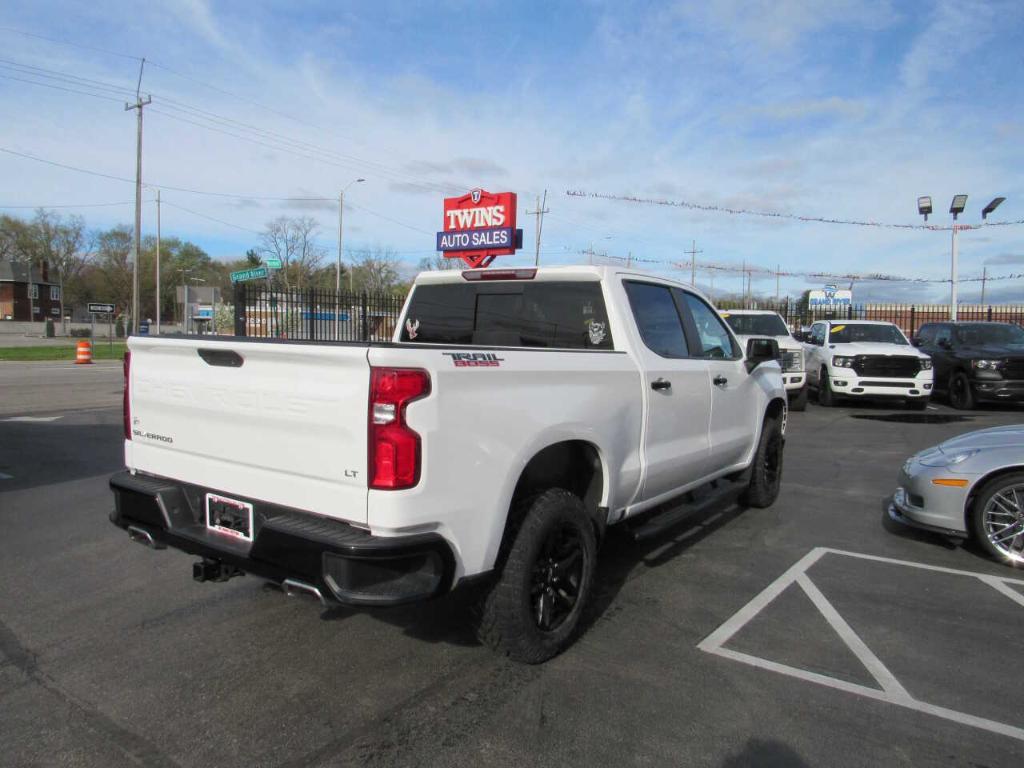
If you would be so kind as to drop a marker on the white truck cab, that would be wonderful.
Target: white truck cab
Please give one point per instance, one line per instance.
(763, 323)
(867, 359)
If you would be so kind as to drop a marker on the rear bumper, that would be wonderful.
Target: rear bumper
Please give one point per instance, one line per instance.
(345, 564)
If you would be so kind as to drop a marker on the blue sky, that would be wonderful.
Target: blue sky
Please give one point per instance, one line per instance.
(830, 108)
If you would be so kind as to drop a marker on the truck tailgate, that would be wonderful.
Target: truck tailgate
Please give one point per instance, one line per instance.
(287, 426)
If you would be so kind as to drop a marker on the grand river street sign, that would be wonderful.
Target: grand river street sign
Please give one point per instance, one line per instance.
(256, 273)
(479, 226)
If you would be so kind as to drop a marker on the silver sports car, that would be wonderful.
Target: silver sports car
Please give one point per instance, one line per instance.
(972, 485)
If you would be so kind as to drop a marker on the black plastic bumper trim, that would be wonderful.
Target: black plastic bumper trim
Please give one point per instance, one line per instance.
(288, 545)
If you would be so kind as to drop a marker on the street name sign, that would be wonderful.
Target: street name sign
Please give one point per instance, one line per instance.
(273, 263)
(256, 273)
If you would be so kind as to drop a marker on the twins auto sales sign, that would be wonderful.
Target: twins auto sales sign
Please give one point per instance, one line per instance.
(479, 226)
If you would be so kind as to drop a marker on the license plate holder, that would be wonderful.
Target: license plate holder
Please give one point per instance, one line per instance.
(229, 516)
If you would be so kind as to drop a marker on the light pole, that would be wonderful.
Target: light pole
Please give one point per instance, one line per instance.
(956, 207)
(337, 270)
(194, 280)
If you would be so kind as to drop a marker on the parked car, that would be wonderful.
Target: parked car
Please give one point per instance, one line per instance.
(763, 323)
(866, 359)
(970, 486)
(515, 415)
(975, 362)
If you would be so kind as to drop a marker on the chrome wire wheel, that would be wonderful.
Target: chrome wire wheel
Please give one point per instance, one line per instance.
(556, 577)
(1003, 521)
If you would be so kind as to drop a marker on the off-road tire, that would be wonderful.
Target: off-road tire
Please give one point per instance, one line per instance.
(508, 621)
(799, 401)
(766, 468)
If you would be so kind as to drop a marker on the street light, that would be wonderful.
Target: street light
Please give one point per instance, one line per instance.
(337, 270)
(924, 206)
(956, 207)
(996, 202)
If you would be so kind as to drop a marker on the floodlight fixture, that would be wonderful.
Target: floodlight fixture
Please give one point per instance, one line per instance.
(924, 206)
(996, 202)
(958, 205)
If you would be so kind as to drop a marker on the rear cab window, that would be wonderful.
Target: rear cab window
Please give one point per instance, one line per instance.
(548, 314)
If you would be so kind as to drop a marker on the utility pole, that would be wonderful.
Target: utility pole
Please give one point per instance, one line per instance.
(158, 261)
(139, 104)
(744, 284)
(629, 259)
(778, 269)
(539, 213)
(984, 278)
(693, 263)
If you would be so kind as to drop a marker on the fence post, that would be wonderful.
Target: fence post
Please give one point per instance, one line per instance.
(913, 326)
(364, 327)
(311, 309)
(990, 313)
(240, 302)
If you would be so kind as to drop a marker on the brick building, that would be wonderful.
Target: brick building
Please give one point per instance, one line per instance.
(28, 294)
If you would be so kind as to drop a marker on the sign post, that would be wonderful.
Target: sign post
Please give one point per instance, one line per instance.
(479, 226)
(101, 308)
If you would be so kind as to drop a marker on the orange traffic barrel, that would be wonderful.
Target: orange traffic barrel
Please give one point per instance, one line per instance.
(83, 356)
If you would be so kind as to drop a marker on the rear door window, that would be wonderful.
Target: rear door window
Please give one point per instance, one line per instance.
(657, 319)
(555, 315)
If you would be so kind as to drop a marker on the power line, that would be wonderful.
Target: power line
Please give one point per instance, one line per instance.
(68, 42)
(774, 214)
(82, 205)
(167, 187)
(210, 218)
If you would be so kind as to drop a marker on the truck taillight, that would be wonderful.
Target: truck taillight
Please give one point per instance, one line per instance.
(394, 448)
(126, 407)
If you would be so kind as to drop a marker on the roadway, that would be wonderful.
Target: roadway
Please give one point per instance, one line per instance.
(110, 655)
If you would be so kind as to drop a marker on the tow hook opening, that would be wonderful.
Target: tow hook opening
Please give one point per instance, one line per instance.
(214, 570)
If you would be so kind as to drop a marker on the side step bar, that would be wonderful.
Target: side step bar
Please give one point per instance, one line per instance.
(720, 492)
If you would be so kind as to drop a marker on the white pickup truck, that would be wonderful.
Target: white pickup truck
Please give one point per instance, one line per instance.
(515, 415)
(866, 359)
(754, 323)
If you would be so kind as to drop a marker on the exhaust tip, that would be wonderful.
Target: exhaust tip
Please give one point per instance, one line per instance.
(144, 537)
(294, 588)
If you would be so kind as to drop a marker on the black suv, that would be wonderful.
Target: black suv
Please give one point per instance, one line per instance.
(975, 362)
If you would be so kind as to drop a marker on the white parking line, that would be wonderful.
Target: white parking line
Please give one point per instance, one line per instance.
(6, 477)
(32, 418)
(892, 692)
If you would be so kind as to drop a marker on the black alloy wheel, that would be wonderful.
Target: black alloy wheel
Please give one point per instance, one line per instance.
(557, 577)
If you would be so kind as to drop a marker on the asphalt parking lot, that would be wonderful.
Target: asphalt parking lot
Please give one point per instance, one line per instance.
(806, 634)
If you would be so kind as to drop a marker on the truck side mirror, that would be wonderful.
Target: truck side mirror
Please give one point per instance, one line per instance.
(945, 343)
(916, 341)
(761, 351)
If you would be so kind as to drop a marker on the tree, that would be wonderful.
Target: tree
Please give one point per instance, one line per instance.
(114, 265)
(437, 263)
(376, 271)
(252, 258)
(61, 243)
(293, 241)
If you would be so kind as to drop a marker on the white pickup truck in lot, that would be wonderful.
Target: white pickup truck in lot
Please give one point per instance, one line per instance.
(515, 415)
(760, 323)
(866, 359)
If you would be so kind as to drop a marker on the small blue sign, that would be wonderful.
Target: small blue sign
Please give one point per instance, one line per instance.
(476, 239)
(143, 329)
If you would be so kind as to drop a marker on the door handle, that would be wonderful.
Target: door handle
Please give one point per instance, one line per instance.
(719, 380)
(661, 384)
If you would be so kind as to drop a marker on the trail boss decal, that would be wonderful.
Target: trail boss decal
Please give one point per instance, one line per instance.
(474, 359)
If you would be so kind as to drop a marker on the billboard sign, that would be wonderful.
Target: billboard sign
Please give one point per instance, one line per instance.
(479, 226)
(829, 298)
